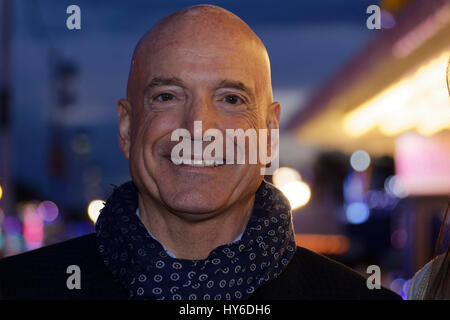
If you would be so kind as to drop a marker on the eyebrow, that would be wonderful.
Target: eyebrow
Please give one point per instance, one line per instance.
(163, 81)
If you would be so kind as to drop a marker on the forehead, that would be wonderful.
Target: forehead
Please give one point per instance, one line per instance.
(202, 61)
(199, 57)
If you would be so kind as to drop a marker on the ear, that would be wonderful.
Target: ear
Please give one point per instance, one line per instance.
(124, 112)
(273, 116)
(273, 121)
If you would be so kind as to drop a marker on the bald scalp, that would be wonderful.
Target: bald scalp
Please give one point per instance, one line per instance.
(200, 25)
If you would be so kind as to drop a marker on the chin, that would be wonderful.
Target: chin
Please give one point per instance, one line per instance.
(195, 202)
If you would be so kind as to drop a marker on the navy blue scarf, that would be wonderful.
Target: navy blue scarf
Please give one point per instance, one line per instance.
(232, 271)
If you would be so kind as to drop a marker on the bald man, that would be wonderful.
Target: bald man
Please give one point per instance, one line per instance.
(188, 227)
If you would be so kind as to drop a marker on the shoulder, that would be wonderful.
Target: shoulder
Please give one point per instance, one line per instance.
(313, 276)
(419, 282)
(42, 273)
(49, 257)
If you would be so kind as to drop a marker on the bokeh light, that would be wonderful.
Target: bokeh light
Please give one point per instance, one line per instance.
(285, 175)
(1, 191)
(94, 209)
(12, 225)
(288, 180)
(33, 227)
(332, 244)
(13, 243)
(397, 285)
(387, 20)
(378, 199)
(404, 292)
(48, 211)
(393, 187)
(357, 212)
(360, 160)
(297, 192)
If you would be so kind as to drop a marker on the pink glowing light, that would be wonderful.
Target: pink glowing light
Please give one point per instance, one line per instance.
(48, 211)
(33, 227)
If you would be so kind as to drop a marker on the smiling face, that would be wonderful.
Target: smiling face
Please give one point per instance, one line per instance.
(198, 66)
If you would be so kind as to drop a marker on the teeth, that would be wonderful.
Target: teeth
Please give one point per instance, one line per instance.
(187, 161)
(200, 163)
(205, 163)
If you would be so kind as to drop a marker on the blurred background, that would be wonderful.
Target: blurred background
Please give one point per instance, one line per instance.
(365, 125)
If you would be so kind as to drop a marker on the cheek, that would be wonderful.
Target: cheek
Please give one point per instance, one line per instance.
(152, 128)
(251, 120)
(244, 121)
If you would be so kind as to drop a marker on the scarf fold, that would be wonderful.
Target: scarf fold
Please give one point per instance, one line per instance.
(230, 272)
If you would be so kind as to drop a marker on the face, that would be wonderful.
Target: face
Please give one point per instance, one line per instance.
(217, 82)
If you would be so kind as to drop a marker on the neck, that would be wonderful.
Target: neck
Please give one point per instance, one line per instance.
(194, 239)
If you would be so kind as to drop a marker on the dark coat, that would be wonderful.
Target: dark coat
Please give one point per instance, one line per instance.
(42, 274)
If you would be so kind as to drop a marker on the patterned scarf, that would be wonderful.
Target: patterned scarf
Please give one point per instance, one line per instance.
(232, 271)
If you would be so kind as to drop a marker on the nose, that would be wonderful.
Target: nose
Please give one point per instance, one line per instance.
(200, 116)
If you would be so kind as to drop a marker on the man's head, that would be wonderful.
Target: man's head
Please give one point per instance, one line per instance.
(204, 64)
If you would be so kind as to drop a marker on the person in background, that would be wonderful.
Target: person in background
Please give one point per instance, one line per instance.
(432, 282)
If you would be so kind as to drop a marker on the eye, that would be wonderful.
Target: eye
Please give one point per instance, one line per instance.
(165, 97)
(233, 99)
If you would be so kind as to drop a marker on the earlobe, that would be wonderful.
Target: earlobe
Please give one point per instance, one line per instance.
(124, 113)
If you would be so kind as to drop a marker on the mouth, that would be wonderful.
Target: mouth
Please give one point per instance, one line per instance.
(201, 163)
(205, 163)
